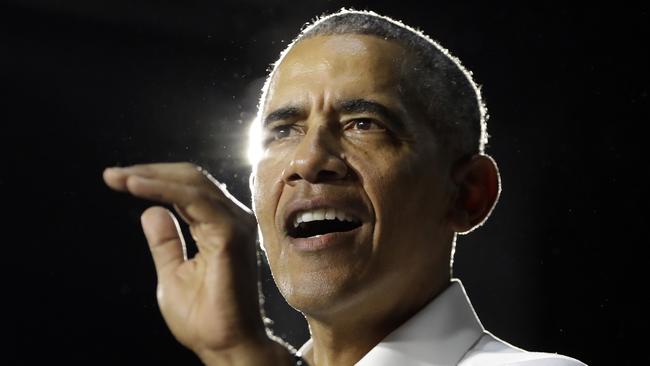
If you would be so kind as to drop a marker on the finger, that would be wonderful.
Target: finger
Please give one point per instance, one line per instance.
(115, 179)
(184, 173)
(213, 220)
(197, 205)
(164, 238)
(178, 172)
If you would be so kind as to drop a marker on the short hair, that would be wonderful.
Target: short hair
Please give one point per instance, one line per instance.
(436, 80)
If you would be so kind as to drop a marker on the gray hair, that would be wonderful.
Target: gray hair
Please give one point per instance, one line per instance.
(440, 85)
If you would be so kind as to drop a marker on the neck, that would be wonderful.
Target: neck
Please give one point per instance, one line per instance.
(345, 337)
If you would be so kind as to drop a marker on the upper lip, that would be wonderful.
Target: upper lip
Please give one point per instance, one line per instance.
(351, 207)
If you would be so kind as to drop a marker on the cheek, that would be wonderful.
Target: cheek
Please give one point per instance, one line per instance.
(266, 191)
(406, 194)
(382, 166)
(381, 170)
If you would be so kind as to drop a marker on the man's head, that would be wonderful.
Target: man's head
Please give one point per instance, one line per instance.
(434, 81)
(371, 135)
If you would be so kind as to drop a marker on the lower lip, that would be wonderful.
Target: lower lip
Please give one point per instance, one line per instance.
(326, 241)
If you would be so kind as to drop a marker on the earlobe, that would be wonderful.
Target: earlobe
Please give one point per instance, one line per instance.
(478, 186)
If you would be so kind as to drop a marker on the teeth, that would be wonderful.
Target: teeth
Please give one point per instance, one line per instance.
(321, 214)
(307, 217)
(318, 215)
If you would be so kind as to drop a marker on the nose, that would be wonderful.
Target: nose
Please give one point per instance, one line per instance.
(316, 159)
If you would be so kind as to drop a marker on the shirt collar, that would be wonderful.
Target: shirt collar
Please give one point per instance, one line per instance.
(439, 334)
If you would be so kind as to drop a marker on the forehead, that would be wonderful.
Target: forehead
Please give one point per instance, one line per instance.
(337, 67)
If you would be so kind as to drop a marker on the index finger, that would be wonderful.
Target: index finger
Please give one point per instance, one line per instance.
(187, 173)
(181, 174)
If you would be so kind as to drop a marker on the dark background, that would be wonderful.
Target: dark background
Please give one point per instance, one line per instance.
(560, 266)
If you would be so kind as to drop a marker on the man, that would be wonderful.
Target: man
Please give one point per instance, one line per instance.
(372, 161)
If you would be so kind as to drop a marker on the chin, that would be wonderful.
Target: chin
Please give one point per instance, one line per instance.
(317, 292)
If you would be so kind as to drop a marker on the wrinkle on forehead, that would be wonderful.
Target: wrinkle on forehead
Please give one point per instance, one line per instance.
(326, 52)
(343, 45)
(368, 63)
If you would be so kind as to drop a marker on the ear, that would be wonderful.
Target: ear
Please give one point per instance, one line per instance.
(478, 186)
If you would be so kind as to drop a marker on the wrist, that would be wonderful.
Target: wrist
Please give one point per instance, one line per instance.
(261, 352)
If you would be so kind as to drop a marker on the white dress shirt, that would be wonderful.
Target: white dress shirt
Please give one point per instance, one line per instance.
(447, 332)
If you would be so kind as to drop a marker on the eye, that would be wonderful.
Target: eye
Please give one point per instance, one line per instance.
(280, 132)
(364, 124)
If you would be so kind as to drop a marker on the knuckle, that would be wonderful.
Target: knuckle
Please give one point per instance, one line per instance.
(194, 174)
(142, 168)
(212, 183)
(189, 166)
(197, 194)
(209, 177)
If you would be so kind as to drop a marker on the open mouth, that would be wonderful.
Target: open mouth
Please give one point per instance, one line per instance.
(320, 222)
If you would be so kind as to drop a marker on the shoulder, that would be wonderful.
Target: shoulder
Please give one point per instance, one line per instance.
(492, 351)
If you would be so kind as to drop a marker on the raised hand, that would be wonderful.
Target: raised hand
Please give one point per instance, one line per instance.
(210, 302)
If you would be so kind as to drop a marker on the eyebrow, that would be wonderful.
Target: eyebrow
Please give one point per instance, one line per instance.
(368, 106)
(350, 106)
(282, 113)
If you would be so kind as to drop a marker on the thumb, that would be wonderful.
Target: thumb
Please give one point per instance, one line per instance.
(164, 238)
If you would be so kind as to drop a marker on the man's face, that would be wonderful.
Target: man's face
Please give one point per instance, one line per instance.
(351, 193)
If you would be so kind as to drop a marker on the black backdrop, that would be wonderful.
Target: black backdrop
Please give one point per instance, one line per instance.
(560, 266)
